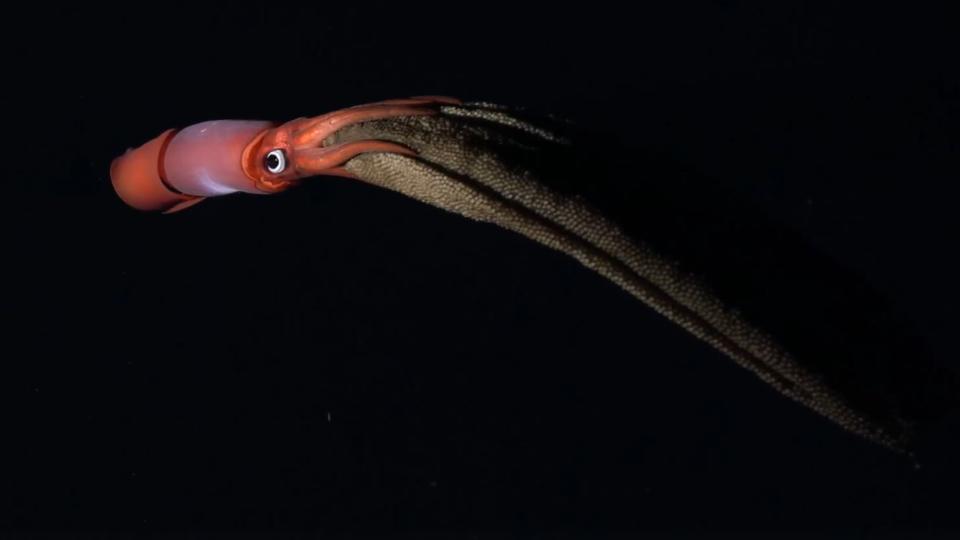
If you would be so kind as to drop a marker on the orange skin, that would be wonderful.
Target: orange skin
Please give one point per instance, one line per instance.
(301, 140)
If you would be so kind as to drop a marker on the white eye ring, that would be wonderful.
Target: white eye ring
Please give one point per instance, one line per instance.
(275, 161)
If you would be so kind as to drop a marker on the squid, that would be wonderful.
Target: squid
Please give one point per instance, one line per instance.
(495, 164)
(179, 169)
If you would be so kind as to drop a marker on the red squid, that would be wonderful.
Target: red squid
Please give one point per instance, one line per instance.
(180, 168)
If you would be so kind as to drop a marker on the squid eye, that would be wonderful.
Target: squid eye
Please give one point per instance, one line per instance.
(275, 161)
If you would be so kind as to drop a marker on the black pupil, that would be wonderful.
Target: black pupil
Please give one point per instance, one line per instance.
(273, 161)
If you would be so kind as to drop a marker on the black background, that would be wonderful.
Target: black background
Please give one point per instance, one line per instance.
(339, 358)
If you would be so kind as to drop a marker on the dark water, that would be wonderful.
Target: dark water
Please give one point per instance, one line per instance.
(339, 358)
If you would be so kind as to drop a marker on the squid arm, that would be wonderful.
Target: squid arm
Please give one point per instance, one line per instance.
(438, 162)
